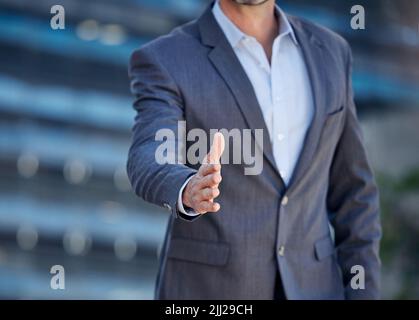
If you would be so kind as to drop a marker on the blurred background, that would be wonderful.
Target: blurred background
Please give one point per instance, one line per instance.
(65, 120)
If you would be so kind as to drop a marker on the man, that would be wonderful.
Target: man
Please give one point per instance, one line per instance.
(296, 230)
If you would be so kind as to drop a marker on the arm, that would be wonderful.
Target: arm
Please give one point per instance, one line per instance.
(353, 203)
(159, 105)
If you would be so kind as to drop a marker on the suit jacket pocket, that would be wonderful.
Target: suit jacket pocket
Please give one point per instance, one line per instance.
(335, 112)
(333, 124)
(198, 251)
(324, 248)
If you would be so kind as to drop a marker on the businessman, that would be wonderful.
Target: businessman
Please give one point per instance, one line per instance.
(295, 231)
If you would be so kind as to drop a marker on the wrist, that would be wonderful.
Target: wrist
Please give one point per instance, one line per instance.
(185, 197)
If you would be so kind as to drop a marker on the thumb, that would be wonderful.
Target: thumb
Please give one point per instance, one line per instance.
(216, 151)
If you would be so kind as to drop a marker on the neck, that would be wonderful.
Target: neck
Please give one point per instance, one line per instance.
(258, 21)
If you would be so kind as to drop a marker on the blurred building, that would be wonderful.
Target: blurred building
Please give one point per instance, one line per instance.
(65, 120)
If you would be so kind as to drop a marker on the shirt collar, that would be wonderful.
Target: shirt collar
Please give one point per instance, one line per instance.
(234, 35)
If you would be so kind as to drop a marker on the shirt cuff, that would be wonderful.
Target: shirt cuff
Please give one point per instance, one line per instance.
(180, 207)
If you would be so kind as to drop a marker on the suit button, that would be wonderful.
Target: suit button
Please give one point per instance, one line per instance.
(281, 251)
(284, 201)
(167, 206)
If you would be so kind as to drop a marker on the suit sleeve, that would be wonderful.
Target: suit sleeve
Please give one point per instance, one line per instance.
(159, 105)
(353, 203)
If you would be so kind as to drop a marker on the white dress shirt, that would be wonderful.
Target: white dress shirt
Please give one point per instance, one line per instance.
(282, 89)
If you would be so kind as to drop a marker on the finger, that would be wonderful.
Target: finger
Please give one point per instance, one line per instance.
(207, 206)
(217, 149)
(207, 169)
(212, 180)
(209, 194)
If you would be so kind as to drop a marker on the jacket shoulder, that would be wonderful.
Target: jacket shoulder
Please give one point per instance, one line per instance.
(326, 37)
(180, 38)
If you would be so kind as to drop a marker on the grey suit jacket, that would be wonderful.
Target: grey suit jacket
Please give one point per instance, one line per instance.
(193, 74)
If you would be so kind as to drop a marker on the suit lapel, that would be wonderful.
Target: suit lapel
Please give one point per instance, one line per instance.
(225, 61)
(313, 54)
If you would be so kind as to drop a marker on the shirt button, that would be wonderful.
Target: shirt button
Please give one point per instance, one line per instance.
(281, 137)
(281, 251)
(282, 173)
(277, 99)
(284, 201)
